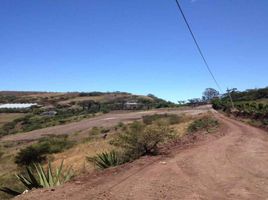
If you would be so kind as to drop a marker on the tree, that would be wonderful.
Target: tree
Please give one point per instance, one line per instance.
(210, 94)
(195, 102)
(181, 102)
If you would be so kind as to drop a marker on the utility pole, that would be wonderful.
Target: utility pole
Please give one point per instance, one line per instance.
(230, 96)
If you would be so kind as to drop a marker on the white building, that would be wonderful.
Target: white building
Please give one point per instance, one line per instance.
(17, 105)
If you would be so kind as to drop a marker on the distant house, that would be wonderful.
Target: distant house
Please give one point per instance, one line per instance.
(132, 105)
(49, 113)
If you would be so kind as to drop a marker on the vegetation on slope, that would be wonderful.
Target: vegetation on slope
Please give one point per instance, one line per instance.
(206, 123)
(122, 143)
(61, 108)
(146, 138)
(250, 104)
(37, 152)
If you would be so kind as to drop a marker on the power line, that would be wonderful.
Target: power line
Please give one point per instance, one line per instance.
(198, 47)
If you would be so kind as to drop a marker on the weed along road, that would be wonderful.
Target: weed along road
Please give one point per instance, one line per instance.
(106, 120)
(233, 166)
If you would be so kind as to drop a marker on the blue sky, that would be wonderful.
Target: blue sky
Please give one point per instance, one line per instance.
(138, 46)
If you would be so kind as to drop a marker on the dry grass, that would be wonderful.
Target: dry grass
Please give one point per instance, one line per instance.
(181, 129)
(78, 99)
(8, 168)
(10, 149)
(9, 117)
(46, 94)
(75, 157)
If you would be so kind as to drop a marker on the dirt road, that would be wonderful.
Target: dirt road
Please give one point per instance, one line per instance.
(106, 120)
(234, 166)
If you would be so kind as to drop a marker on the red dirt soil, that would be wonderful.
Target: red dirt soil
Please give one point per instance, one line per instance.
(234, 166)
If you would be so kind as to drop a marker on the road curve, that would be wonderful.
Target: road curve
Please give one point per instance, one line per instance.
(234, 166)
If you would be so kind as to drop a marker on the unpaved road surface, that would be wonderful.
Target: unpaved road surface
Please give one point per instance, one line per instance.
(106, 120)
(234, 166)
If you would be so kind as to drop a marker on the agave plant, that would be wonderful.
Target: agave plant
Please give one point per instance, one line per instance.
(39, 178)
(105, 159)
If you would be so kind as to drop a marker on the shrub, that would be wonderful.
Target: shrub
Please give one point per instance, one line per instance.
(174, 119)
(7, 128)
(37, 177)
(139, 140)
(104, 109)
(205, 123)
(170, 118)
(29, 155)
(36, 153)
(105, 159)
(95, 131)
(55, 144)
(120, 124)
(1, 154)
(105, 130)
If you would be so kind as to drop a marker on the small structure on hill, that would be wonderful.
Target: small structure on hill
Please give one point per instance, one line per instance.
(51, 113)
(132, 105)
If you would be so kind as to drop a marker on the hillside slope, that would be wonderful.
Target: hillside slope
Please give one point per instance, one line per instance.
(106, 120)
(231, 167)
(250, 106)
(62, 108)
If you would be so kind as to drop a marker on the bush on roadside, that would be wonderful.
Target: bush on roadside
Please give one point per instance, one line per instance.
(205, 123)
(105, 130)
(95, 131)
(174, 119)
(120, 124)
(139, 140)
(170, 118)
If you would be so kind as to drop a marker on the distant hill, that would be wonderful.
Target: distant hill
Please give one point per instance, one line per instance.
(69, 99)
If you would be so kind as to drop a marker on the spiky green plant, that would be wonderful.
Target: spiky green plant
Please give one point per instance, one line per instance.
(38, 177)
(105, 159)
